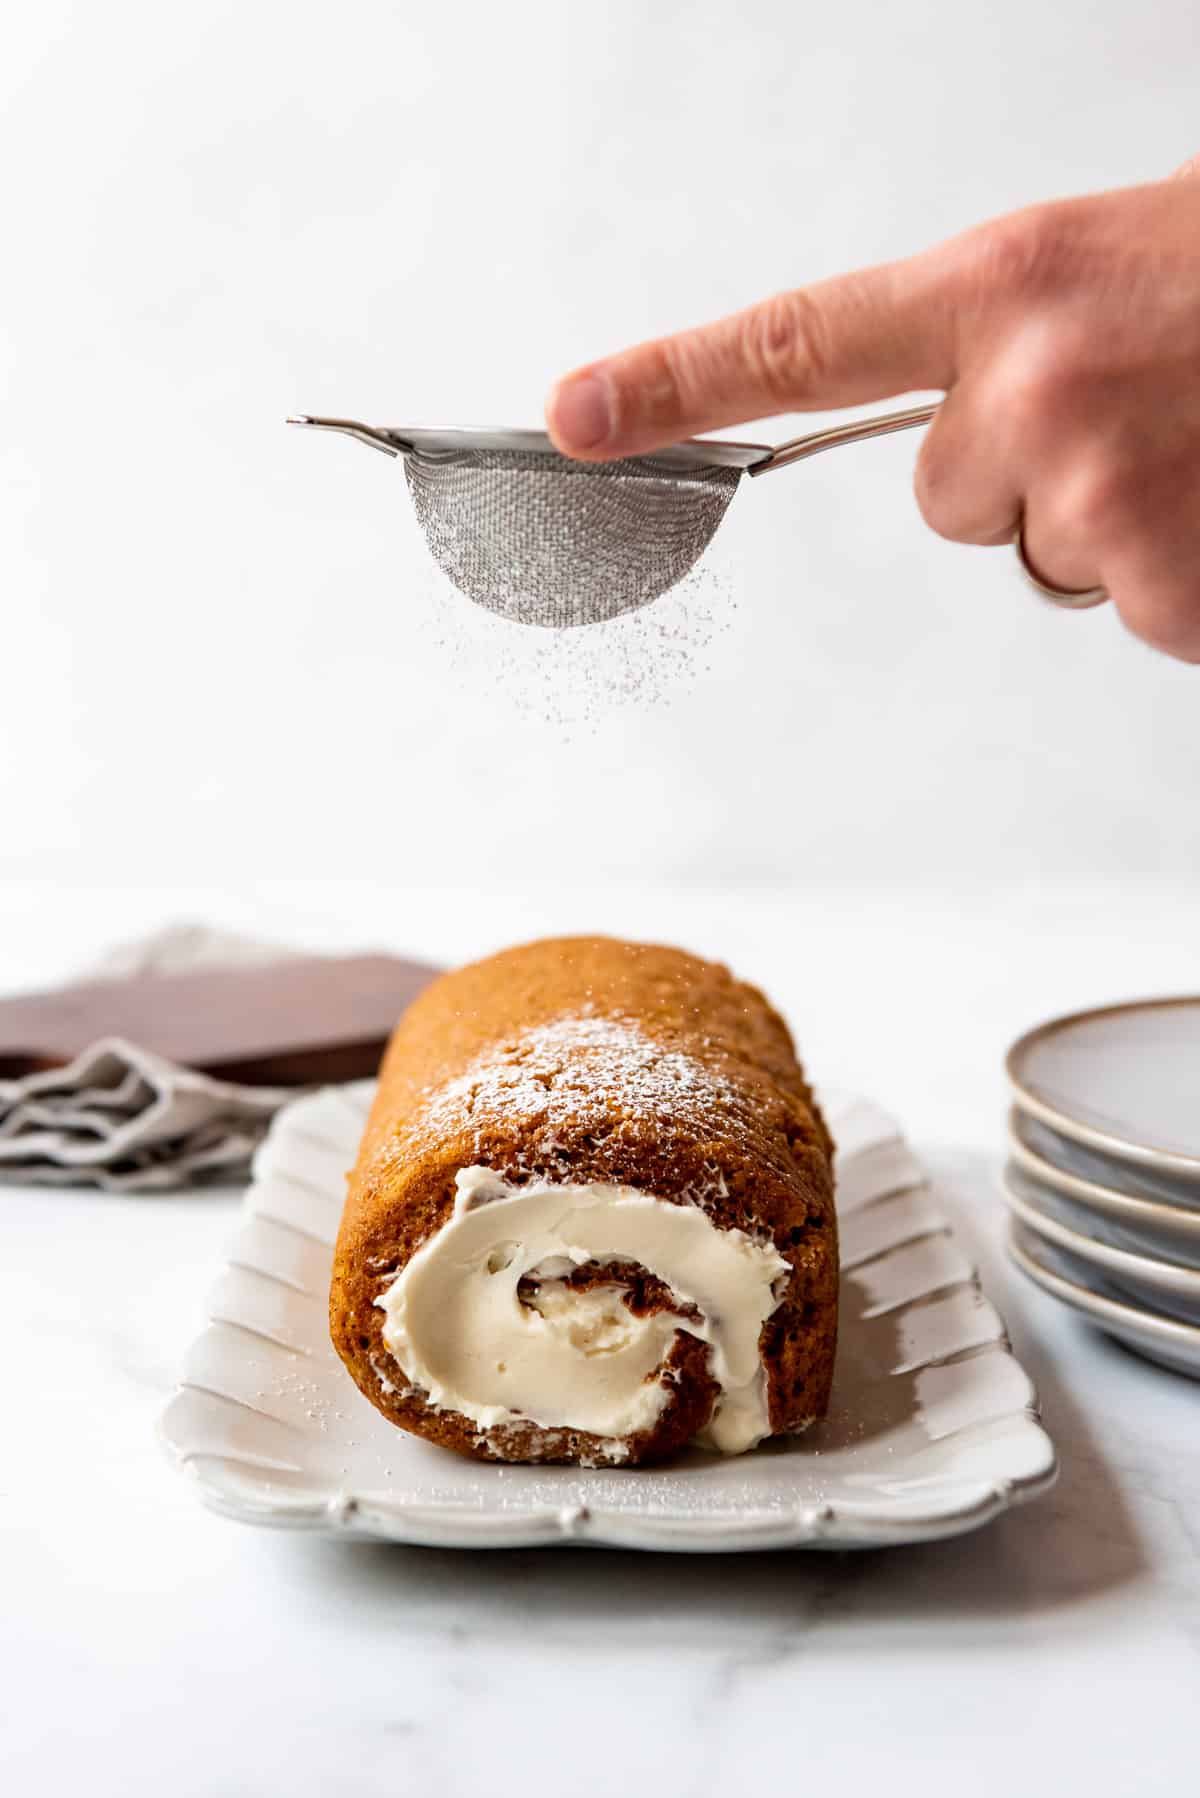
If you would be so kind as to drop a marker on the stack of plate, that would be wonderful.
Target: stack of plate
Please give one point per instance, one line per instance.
(1103, 1176)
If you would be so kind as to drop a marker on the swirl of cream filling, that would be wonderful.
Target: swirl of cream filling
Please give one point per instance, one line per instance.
(460, 1330)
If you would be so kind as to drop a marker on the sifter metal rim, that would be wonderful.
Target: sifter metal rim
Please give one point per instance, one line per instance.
(434, 440)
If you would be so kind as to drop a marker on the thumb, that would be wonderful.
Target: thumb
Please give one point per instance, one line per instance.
(858, 337)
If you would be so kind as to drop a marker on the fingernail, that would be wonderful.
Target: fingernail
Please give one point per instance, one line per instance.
(582, 412)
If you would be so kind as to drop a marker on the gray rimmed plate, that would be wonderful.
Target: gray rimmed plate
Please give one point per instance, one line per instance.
(1160, 1339)
(1123, 1216)
(1123, 1080)
(1163, 1286)
(933, 1427)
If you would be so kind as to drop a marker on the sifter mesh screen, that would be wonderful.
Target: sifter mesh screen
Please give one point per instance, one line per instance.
(544, 540)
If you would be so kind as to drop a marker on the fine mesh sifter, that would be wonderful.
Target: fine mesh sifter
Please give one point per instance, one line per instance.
(545, 540)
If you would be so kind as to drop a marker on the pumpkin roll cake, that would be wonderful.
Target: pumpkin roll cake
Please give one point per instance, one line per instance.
(592, 1216)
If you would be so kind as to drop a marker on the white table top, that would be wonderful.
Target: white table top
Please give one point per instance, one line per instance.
(149, 1647)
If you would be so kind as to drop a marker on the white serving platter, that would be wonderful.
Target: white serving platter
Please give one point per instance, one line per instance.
(933, 1428)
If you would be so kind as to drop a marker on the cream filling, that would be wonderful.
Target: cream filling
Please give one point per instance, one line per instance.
(456, 1326)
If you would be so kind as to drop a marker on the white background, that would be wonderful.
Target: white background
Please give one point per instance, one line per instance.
(221, 650)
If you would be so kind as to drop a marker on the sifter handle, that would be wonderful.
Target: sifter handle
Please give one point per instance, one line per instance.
(798, 448)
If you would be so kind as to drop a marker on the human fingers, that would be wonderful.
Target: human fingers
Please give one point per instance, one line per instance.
(1134, 532)
(967, 482)
(858, 337)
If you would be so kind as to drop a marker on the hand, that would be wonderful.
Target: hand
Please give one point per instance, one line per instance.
(1067, 340)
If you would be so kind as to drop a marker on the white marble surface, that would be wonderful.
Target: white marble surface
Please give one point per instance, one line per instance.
(150, 1647)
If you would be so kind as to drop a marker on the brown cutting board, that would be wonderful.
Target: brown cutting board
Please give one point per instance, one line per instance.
(291, 1023)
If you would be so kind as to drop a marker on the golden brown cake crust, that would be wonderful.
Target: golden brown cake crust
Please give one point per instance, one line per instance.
(583, 1059)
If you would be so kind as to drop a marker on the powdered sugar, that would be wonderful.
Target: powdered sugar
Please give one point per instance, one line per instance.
(592, 1071)
(573, 680)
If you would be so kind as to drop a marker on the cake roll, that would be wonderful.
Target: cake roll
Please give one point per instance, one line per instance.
(592, 1215)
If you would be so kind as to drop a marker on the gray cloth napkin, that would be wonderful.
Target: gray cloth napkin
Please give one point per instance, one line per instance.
(128, 1120)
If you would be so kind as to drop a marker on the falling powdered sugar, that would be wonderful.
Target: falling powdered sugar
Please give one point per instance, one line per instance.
(572, 679)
